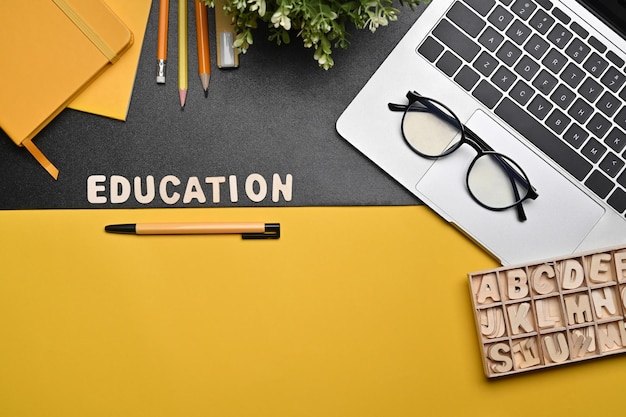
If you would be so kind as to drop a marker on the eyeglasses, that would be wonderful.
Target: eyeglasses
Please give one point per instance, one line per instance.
(493, 180)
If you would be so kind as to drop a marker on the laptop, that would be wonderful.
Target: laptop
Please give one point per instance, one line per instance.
(541, 81)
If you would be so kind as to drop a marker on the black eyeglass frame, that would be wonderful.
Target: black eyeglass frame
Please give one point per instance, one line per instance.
(515, 172)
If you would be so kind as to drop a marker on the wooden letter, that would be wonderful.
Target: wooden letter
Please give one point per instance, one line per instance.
(578, 308)
(488, 289)
(610, 337)
(498, 353)
(542, 279)
(528, 349)
(606, 301)
(517, 283)
(620, 265)
(600, 268)
(583, 342)
(556, 354)
(492, 323)
(573, 274)
(548, 313)
(518, 317)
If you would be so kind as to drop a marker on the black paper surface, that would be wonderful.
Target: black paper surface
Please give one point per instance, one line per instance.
(265, 136)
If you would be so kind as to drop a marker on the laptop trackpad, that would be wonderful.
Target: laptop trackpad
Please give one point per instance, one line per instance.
(558, 220)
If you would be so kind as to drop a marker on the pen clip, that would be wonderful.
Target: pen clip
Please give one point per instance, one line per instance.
(272, 231)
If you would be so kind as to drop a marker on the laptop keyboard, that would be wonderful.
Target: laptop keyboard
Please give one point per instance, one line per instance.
(547, 77)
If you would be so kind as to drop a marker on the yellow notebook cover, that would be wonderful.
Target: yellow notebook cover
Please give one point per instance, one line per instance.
(51, 50)
(109, 95)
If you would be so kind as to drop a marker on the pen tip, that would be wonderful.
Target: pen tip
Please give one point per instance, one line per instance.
(206, 93)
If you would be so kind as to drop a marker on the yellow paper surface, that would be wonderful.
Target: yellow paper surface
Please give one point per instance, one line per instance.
(353, 312)
(109, 95)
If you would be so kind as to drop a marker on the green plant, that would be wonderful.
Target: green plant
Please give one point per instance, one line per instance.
(320, 23)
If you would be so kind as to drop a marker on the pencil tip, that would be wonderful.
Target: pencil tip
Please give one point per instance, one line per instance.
(183, 97)
(205, 83)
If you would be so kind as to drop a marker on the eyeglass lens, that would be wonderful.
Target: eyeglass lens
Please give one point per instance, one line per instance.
(431, 130)
(496, 181)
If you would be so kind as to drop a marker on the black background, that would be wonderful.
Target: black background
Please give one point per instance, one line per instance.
(276, 113)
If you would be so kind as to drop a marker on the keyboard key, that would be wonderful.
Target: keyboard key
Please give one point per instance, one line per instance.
(536, 46)
(481, 6)
(579, 30)
(572, 75)
(456, 40)
(467, 78)
(612, 56)
(563, 96)
(599, 184)
(540, 107)
(487, 94)
(575, 136)
(542, 22)
(613, 79)
(559, 36)
(545, 82)
(558, 13)
(611, 164)
(617, 200)
(545, 140)
(466, 19)
(509, 53)
(621, 180)
(518, 32)
(486, 64)
(521, 93)
(596, 44)
(523, 8)
(527, 68)
(490, 39)
(595, 64)
(616, 140)
(608, 104)
(430, 49)
(503, 78)
(577, 50)
(449, 63)
(580, 111)
(554, 61)
(598, 125)
(590, 90)
(620, 118)
(546, 4)
(557, 121)
(593, 150)
(500, 17)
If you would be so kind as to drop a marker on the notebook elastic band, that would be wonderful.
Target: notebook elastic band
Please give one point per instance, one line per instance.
(87, 30)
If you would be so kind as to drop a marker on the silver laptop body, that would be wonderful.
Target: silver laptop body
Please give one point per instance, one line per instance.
(576, 210)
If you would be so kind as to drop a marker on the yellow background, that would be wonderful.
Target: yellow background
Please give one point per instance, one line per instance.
(353, 312)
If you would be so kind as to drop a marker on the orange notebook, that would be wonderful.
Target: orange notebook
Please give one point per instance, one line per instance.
(51, 50)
